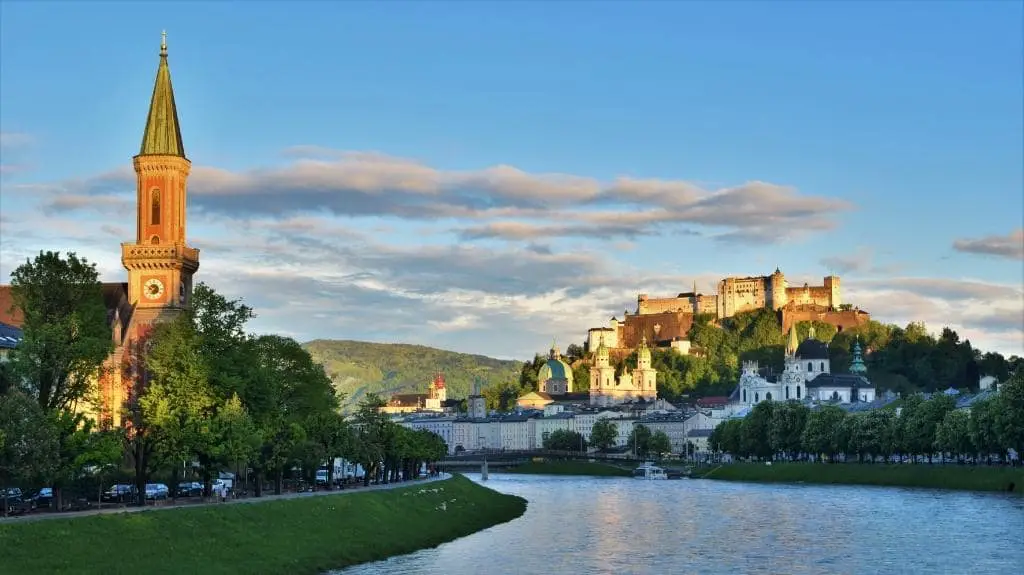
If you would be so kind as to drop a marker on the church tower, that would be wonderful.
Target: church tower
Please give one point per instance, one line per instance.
(602, 376)
(644, 376)
(160, 263)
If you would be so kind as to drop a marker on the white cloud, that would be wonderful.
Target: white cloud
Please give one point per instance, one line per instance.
(1010, 246)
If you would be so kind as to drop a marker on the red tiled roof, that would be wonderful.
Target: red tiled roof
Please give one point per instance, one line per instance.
(716, 400)
(8, 313)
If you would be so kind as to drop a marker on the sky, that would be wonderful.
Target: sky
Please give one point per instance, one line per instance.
(484, 177)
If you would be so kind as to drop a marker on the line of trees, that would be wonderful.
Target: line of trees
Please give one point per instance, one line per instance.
(923, 428)
(211, 396)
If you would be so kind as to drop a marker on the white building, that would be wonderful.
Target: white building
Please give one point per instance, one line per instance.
(678, 427)
(442, 426)
(641, 383)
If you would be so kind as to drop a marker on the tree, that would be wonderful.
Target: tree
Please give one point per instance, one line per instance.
(29, 451)
(659, 443)
(757, 427)
(1009, 415)
(953, 434)
(331, 432)
(821, 436)
(603, 434)
(984, 430)
(787, 426)
(565, 440)
(66, 337)
(639, 441)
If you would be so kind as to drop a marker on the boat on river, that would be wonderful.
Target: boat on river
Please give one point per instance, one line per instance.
(649, 472)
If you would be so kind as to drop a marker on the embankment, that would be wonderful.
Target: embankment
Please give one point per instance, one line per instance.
(960, 477)
(569, 468)
(297, 536)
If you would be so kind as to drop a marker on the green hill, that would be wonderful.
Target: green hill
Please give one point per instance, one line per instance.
(359, 367)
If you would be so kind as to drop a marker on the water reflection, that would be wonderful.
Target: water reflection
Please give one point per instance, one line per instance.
(619, 526)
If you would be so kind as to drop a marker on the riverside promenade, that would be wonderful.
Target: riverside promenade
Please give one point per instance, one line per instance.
(242, 501)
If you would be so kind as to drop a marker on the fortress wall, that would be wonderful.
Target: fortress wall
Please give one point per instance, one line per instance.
(673, 325)
(842, 320)
(810, 295)
(707, 304)
(664, 304)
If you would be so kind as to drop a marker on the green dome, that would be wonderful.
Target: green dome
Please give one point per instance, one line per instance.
(555, 369)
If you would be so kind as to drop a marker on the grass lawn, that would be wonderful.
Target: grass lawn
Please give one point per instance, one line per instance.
(963, 477)
(297, 536)
(570, 468)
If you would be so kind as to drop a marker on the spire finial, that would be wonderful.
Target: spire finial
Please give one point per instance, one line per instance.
(163, 43)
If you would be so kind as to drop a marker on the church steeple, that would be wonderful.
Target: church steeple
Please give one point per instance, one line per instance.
(163, 134)
(793, 343)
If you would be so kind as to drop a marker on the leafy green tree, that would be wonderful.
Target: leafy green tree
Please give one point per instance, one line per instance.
(372, 435)
(984, 430)
(331, 432)
(1009, 415)
(29, 451)
(786, 428)
(565, 440)
(603, 434)
(822, 434)
(659, 443)
(639, 441)
(953, 434)
(757, 426)
(66, 337)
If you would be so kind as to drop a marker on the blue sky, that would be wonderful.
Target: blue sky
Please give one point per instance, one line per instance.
(504, 159)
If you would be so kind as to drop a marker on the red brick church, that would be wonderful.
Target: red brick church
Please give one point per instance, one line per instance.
(160, 263)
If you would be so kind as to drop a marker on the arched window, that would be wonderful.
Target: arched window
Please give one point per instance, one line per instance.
(744, 396)
(798, 392)
(757, 397)
(810, 366)
(768, 396)
(787, 392)
(154, 240)
(823, 366)
(154, 207)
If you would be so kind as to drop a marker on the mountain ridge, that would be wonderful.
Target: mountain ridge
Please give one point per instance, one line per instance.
(361, 367)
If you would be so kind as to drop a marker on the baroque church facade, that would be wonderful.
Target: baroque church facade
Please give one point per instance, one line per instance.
(159, 262)
(807, 375)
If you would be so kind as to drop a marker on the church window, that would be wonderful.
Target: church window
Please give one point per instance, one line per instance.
(810, 366)
(744, 396)
(768, 396)
(757, 397)
(798, 392)
(787, 392)
(154, 240)
(154, 207)
(823, 366)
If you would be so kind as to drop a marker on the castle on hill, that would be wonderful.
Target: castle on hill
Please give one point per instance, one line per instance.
(666, 321)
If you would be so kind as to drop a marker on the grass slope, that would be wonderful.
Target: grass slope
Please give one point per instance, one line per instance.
(570, 468)
(359, 367)
(969, 478)
(297, 536)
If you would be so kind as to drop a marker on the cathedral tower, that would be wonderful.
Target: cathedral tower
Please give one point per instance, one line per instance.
(160, 263)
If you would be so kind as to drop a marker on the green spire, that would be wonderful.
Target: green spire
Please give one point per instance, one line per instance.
(857, 365)
(163, 135)
(792, 344)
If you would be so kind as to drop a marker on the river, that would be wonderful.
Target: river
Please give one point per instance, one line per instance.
(578, 525)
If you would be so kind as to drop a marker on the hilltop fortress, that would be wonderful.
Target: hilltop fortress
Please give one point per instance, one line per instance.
(666, 321)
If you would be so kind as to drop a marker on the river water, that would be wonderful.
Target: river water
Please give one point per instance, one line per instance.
(578, 525)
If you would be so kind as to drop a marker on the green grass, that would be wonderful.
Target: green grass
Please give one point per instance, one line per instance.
(570, 468)
(305, 535)
(962, 477)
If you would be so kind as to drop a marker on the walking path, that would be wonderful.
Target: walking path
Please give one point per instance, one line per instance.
(247, 500)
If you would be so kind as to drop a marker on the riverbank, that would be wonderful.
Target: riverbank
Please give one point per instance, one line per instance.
(959, 477)
(570, 468)
(307, 535)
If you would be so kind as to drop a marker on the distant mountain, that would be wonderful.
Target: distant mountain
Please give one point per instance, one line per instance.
(359, 367)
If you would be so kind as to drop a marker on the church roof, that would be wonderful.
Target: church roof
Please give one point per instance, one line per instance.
(840, 380)
(9, 336)
(555, 369)
(163, 133)
(812, 349)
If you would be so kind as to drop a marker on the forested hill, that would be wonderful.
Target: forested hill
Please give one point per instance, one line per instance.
(360, 367)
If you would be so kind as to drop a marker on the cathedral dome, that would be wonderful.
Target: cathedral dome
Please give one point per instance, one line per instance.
(554, 369)
(812, 349)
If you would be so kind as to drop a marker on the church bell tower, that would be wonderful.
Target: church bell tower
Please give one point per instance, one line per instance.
(160, 263)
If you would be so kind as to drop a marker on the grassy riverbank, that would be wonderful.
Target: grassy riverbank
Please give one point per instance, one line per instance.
(961, 477)
(570, 468)
(296, 536)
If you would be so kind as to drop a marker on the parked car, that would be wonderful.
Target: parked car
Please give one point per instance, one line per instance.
(190, 489)
(43, 498)
(119, 493)
(14, 501)
(157, 491)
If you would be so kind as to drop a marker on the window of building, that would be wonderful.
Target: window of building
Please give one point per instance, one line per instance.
(768, 396)
(810, 366)
(744, 396)
(787, 392)
(823, 366)
(757, 397)
(154, 207)
(798, 392)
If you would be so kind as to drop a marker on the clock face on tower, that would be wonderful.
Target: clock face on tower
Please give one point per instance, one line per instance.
(153, 288)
